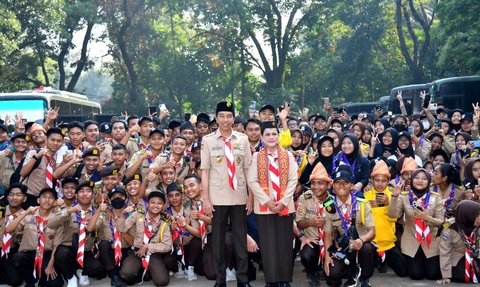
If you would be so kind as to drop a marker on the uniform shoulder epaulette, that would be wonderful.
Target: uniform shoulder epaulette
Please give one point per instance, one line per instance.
(404, 192)
(435, 193)
(307, 195)
(132, 140)
(3, 211)
(141, 211)
(329, 205)
(360, 199)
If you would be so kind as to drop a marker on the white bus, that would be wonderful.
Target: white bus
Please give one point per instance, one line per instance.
(34, 102)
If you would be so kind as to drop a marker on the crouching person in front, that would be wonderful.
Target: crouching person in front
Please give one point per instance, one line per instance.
(351, 254)
(34, 259)
(153, 240)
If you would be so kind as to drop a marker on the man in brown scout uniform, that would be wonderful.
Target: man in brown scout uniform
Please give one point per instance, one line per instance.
(34, 258)
(354, 225)
(225, 158)
(71, 252)
(313, 205)
(11, 157)
(16, 195)
(39, 166)
(85, 171)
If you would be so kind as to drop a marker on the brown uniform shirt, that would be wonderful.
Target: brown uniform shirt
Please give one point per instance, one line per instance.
(105, 224)
(184, 239)
(458, 195)
(28, 226)
(161, 241)
(181, 168)
(452, 249)
(8, 165)
(260, 197)
(36, 181)
(363, 218)
(17, 237)
(213, 158)
(308, 207)
(70, 225)
(409, 243)
(189, 205)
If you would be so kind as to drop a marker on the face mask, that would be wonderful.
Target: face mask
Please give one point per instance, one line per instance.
(399, 127)
(118, 203)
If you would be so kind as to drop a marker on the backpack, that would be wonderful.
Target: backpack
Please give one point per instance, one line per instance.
(15, 177)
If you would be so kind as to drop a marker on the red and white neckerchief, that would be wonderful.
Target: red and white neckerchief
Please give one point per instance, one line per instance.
(422, 230)
(37, 265)
(321, 235)
(232, 177)
(82, 237)
(7, 237)
(344, 209)
(203, 225)
(147, 234)
(117, 243)
(469, 269)
(142, 145)
(274, 175)
(49, 172)
(382, 255)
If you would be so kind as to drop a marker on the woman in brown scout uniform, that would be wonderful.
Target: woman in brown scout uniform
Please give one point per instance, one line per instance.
(423, 217)
(446, 182)
(459, 245)
(152, 242)
(272, 177)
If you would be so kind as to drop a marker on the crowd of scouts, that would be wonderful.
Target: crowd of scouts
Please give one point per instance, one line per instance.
(142, 200)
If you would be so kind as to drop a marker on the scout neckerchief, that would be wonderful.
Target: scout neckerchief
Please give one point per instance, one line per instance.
(422, 230)
(82, 234)
(321, 235)
(344, 215)
(263, 168)
(49, 172)
(232, 177)
(203, 225)
(447, 201)
(117, 240)
(148, 235)
(469, 260)
(343, 158)
(179, 232)
(150, 159)
(7, 237)
(37, 265)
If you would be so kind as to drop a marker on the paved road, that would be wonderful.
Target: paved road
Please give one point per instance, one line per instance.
(388, 279)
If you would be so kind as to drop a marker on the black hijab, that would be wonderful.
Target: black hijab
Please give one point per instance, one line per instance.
(409, 150)
(356, 147)
(465, 214)
(420, 192)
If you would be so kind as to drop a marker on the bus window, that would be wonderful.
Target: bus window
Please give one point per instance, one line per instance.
(64, 106)
(76, 109)
(32, 109)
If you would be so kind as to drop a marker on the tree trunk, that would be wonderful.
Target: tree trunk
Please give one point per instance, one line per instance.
(83, 58)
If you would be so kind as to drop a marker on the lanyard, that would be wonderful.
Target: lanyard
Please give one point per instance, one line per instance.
(345, 224)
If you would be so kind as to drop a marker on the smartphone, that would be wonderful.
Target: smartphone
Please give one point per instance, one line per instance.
(152, 110)
(162, 107)
(426, 101)
(100, 139)
(411, 130)
(253, 107)
(186, 117)
(476, 144)
(378, 108)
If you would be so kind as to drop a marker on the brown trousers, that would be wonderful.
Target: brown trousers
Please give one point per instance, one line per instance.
(132, 266)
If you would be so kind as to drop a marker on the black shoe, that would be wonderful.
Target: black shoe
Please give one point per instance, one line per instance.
(321, 274)
(382, 267)
(284, 284)
(220, 285)
(313, 280)
(365, 283)
(117, 281)
(243, 284)
(353, 280)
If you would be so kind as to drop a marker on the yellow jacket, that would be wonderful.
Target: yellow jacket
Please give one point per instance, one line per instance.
(285, 138)
(384, 225)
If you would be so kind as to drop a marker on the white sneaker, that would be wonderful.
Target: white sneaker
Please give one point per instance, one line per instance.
(180, 273)
(231, 275)
(190, 274)
(72, 282)
(82, 279)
